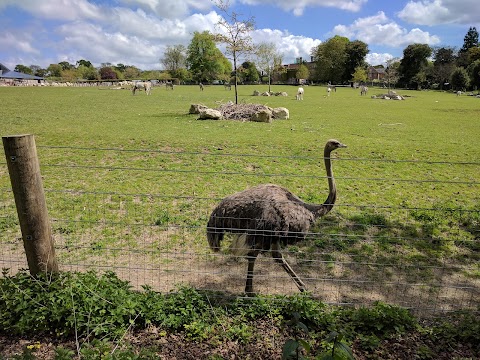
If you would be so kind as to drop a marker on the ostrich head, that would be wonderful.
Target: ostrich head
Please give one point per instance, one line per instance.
(333, 144)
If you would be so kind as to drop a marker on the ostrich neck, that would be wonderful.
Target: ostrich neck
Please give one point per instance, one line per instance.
(323, 209)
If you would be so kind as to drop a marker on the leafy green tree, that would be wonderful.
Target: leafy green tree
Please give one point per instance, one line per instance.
(84, 63)
(204, 60)
(66, 65)
(443, 64)
(302, 72)
(469, 41)
(131, 72)
(248, 72)
(268, 59)
(235, 35)
(331, 57)
(87, 72)
(459, 79)
(474, 73)
(413, 63)
(23, 69)
(54, 70)
(359, 75)
(356, 52)
(38, 70)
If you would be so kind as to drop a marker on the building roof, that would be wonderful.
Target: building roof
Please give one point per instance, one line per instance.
(6, 73)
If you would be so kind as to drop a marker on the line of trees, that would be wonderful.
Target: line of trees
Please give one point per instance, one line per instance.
(337, 60)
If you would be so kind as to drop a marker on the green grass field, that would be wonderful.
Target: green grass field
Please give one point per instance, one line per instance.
(125, 173)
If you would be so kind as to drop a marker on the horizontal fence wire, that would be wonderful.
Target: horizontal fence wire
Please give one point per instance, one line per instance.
(407, 233)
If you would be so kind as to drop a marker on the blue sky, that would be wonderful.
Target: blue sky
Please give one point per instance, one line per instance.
(136, 32)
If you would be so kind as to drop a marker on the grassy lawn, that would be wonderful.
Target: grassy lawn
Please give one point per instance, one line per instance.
(129, 178)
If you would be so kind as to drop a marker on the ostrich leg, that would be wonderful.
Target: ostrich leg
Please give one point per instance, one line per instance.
(278, 257)
(251, 257)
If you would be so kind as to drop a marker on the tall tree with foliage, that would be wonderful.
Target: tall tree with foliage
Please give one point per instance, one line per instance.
(391, 71)
(174, 59)
(23, 69)
(204, 60)
(337, 58)
(268, 59)
(473, 71)
(356, 52)
(413, 63)
(330, 57)
(443, 64)
(469, 41)
(248, 72)
(460, 79)
(235, 34)
(302, 72)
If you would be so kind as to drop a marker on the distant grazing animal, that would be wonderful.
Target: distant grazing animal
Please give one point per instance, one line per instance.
(329, 90)
(201, 86)
(459, 93)
(142, 85)
(300, 92)
(265, 217)
(228, 86)
(363, 90)
(169, 85)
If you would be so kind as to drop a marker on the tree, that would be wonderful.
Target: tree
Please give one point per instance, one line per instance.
(38, 70)
(268, 59)
(443, 64)
(359, 75)
(54, 70)
(330, 57)
(356, 51)
(235, 35)
(204, 60)
(474, 73)
(413, 63)
(174, 58)
(23, 69)
(66, 65)
(391, 72)
(84, 63)
(469, 41)
(302, 72)
(87, 72)
(459, 79)
(248, 72)
(107, 73)
(131, 72)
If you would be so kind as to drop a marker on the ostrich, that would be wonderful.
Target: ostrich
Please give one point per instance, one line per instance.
(265, 217)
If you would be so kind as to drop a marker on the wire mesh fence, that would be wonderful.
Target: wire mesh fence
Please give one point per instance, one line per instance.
(406, 233)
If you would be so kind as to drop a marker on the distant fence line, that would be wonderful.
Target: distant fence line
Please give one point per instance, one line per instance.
(158, 239)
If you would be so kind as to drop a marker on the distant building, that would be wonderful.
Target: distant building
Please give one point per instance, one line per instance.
(10, 77)
(375, 73)
(291, 70)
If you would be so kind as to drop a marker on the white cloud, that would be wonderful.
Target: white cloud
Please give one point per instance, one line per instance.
(18, 41)
(298, 6)
(57, 9)
(436, 12)
(380, 30)
(171, 9)
(291, 46)
(378, 59)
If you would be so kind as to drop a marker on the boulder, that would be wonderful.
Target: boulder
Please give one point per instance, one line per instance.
(281, 113)
(256, 93)
(262, 116)
(210, 114)
(197, 108)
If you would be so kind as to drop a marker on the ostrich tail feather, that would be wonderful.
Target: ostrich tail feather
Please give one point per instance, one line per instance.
(239, 246)
(214, 239)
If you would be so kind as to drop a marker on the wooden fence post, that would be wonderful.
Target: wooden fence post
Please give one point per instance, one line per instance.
(27, 186)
